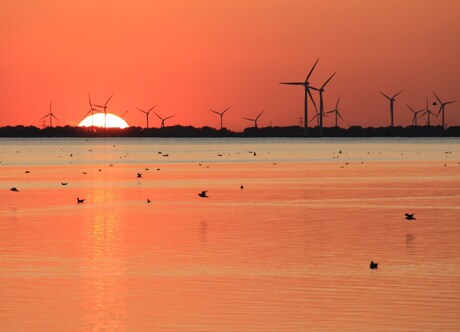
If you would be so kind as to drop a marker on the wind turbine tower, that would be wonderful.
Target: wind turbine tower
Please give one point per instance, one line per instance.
(392, 100)
(414, 118)
(50, 115)
(306, 85)
(147, 113)
(321, 103)
(221, 114)
(163, 119)
(442, 108)
(428, 113)
(105, 110)
(255, 120)
(337, 113)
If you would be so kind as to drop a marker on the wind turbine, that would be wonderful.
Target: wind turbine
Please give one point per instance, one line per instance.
(337, 113)
(306, 85)
(51, 115)
(321, 103)
(163, 119)
(442, 108)
(428, 113)
(255, 120)
(221, 114)
(91, 110)
(392, 100)
(147, 114)
(414, 119)
(105, 110)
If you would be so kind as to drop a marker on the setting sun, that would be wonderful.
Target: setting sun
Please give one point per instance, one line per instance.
(97, 120)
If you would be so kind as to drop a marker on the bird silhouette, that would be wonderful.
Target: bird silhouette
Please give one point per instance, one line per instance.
(241, 187)
(64, 183)
(203, 194)
(410, 216)
(148, 200)
(373, 265)
(14, 189)
(139, 175)
(80, 200)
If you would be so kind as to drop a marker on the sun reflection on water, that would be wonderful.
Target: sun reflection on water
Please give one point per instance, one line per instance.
(103, 287)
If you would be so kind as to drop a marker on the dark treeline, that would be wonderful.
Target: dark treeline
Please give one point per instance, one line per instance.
(189, 131)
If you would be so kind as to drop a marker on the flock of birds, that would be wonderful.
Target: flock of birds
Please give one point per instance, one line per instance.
(203, 194)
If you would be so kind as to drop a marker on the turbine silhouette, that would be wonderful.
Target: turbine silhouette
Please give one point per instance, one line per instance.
(442, 108)
(105, 110)
(306, 85)
(221, 114)
(414, 118)
(91, 110)
(50, 115)
(163, 119)
(321, 102)
(428, 113)
(147, 114)
(392, 100)
(255, 120)
(336, 112)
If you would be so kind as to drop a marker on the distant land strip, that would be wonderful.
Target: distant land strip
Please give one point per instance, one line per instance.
(189, 131)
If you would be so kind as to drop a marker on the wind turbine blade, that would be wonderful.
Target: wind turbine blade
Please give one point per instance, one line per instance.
(311, 70)
(397, 94)
(141, 110)
(327, 81)
(293, 83)
(54, 116)
(440, 109)
(410, 108)
(158, 116)
(215, 112)
(314, 117)
(259, 115)
(385, 95)
(98, 105)
(151, 109)
(338, 113)
(51, 103)
(248, 119)
(450, 102)
(437, 97)
(89, 98)
(312, 100)
(108, 100)
(337, 105)
(226, 109)
(47, 115)
(169, 117)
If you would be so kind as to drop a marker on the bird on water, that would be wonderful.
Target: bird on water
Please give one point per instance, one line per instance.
(203, 194)
(14, 189)
(410, 216)
(80, 200)
(373, 265)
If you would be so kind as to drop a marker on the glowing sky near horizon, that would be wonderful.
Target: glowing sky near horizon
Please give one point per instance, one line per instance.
(191, 56)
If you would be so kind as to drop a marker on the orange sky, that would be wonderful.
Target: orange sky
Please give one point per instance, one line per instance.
(191, 55)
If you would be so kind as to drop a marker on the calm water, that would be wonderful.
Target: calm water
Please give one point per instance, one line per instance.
(289, 252)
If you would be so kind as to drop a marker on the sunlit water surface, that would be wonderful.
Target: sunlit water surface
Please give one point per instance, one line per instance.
(288, 252)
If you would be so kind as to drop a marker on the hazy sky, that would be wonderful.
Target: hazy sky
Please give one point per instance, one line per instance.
(188, 56)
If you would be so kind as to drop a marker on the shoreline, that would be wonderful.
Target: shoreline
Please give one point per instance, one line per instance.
(189, 131)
